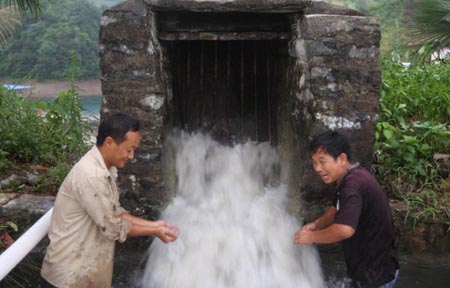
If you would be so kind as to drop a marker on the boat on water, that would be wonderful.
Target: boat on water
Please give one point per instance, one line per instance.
(21, 89)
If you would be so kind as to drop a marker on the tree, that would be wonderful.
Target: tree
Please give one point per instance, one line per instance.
(8, 21)
(23, 6)
(431, 30)
(41, 48)
(8, 14)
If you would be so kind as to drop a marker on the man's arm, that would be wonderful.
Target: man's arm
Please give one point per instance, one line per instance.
(142, 227)
(332, 234)
(323, 221)
(323, 230)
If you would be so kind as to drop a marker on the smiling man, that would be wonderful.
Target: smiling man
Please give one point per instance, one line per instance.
(87, 216)
(361, 216)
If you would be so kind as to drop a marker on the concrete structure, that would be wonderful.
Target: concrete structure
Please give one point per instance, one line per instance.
(273, 70)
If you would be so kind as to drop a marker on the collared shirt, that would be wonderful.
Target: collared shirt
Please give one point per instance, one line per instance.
(85, 225)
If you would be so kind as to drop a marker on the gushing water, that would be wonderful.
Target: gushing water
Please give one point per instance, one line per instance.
(235, 231)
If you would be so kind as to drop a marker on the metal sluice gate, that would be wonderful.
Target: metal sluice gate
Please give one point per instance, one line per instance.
(225, 87)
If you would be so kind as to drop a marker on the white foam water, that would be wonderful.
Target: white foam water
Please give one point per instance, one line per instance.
(235, 229)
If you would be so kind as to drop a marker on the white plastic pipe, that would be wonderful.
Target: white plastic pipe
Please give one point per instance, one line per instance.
(22, 246)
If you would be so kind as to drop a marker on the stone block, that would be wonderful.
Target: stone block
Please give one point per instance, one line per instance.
(329, 82)
(150, 104)
(229, 5)
(340, 28)
(326, 54)
(126, 87)
(124, 26)
(118, 57)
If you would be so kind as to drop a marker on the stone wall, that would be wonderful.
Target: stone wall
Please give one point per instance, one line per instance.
(133, 82)
(337, 87)
(332, 81)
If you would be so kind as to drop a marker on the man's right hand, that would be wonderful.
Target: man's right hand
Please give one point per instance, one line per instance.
(166, 231)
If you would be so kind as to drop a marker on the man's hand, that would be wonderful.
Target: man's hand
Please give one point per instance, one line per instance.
(304, 235)
(310, 226)
(166, 232)
(159, 228)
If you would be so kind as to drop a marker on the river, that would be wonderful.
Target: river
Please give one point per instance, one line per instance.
(90, 104)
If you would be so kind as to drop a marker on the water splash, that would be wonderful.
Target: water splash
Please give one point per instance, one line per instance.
(235, 231)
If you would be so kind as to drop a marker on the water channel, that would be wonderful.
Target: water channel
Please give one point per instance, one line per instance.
(235, 232)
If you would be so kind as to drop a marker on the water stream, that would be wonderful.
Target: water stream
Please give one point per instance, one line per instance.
(235, 231)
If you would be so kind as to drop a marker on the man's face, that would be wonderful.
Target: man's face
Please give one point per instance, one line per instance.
(119, 154)
(329, 169)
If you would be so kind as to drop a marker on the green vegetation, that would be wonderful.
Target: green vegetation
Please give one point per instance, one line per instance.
(8, 226)
(414, 121)
(22, 6)
(40, 48)
(431, 31)
(9, 17)
(414, 127)
(42, 133)
(37, 47)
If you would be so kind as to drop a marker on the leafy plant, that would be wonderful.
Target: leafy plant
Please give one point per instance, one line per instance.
(4, 161)
(28, 136)
(447, 212)
(23, 6)
(431, 27)
(413, 126)
(6, 227)
(415, 103)
(425, 206)
(59, 172)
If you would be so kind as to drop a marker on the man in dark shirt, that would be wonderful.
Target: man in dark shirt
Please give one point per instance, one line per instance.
(361, 216)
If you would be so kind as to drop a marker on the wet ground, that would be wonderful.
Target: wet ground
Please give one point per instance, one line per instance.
(414, 273)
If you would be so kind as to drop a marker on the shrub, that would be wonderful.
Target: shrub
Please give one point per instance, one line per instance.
(413, 126)
(40, 133)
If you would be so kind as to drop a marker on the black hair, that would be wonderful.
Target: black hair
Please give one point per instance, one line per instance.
(116, 126)
(331, 142)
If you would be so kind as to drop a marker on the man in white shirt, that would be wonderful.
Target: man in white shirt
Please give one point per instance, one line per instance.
(87, 216)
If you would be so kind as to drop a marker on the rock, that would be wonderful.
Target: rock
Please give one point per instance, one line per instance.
(26, 205)
(31, 178)
(5, 183)
(27, 177)
(6, 197)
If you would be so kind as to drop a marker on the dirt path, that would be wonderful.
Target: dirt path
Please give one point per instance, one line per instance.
(49, 89)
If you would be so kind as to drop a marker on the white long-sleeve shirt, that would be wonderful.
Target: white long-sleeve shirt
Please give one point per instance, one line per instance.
(85, 225)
